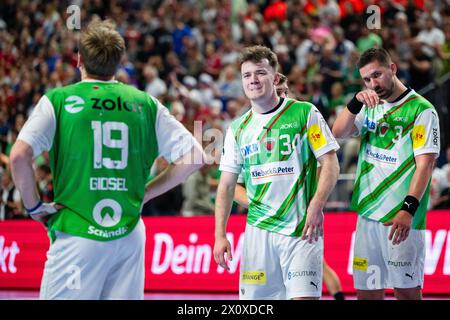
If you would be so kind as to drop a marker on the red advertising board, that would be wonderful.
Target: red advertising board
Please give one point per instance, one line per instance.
(179, 253)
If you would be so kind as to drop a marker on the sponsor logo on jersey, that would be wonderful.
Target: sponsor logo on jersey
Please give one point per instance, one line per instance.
(316, 137)
(254, 277)
(399, 263)
(383, 128)
(74, 104)
(360, 264)
(302, 273)
(380, 156)
(292, 125)
(400, 119)
(418, 136)
(370, 124)
(107, 234)
(273, 171)
(117, 104)
(435, 137)
(269, 144)
(250, 150)
(107, 213)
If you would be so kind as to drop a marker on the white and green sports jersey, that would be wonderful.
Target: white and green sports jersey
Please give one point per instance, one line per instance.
(102, 138)
(277, 153)
(392, 134)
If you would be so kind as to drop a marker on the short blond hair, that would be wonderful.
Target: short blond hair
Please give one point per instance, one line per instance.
(101, 48)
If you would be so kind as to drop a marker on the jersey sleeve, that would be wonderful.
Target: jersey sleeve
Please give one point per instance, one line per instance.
(39, 130)
(320, 138)
(359, 122)
(426, 134)
(174, 140)
(231, 160)
(240, 178)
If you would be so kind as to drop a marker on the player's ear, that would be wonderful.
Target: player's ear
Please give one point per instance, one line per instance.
(276, 79)
(79, 61)
(393, 67)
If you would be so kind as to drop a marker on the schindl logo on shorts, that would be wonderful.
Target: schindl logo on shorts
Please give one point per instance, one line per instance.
(254, 277)
(360, 264)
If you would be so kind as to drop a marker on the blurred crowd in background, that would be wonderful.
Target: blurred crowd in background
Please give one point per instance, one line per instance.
(186, 54)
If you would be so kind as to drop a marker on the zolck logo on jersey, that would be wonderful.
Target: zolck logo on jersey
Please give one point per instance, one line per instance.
(74, 104)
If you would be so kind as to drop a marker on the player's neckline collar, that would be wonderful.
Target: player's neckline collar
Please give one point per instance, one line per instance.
(274, 109)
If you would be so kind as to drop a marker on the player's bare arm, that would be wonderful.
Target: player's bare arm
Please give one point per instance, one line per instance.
(24, 179)
(401, 223)
(176, 173)
(327, 180)
(224, 200)
(240, 195)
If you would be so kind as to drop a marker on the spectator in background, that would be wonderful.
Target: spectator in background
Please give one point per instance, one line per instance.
(440, 185)
(44, 182)
(168, 203)
(421, 67)
(368, 39)
(154, 85)
(11, 203)
(196, 194)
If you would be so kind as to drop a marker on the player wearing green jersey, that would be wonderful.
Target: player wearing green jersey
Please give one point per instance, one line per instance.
(103, 137)
(277, 144)
(399, 132)
(330, 277)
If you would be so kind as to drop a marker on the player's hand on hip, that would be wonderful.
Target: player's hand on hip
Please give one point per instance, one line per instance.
(44, 212)
(401, 224)
(221, 247)
(368, 97)
(313, 228)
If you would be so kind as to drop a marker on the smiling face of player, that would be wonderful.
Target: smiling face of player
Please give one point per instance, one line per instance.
(258, 80)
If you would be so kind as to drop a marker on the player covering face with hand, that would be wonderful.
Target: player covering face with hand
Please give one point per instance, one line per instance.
(399, 132)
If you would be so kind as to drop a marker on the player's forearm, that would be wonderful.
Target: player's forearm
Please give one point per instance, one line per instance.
(224, 201)
(328, 178)
(344, 125)
(240, 196)
(420, 179)
(23, 173)
(174, 174)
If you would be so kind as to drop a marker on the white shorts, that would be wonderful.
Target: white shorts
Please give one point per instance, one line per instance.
(378, 264)
(80, 268)
(276, 266)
